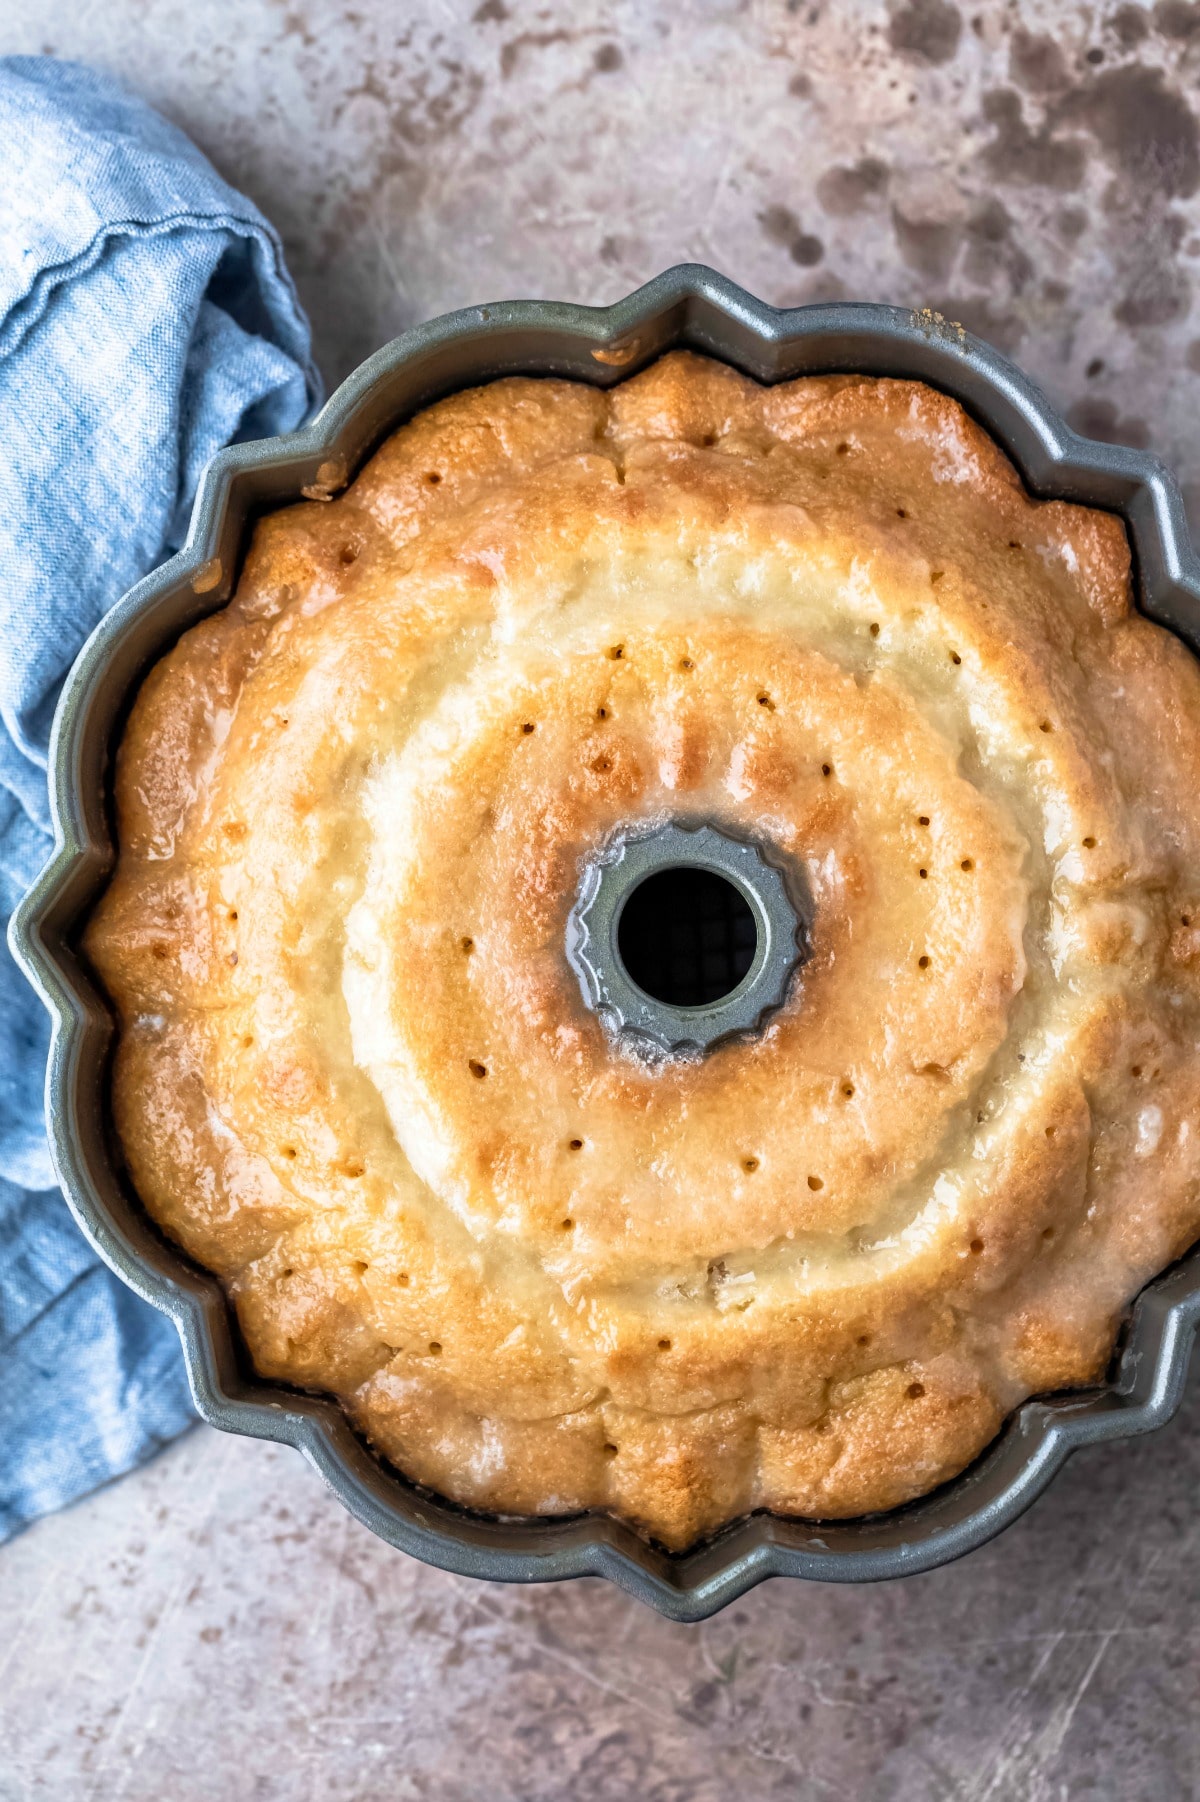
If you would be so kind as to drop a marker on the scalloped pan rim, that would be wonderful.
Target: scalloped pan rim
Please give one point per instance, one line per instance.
(692, 307)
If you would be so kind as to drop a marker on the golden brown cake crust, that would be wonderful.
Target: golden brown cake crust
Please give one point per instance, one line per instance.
(811, 1271)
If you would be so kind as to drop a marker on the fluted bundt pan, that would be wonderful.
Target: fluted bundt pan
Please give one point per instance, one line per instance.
(687, 307)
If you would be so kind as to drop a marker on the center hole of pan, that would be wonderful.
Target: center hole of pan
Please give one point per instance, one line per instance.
(686, 936)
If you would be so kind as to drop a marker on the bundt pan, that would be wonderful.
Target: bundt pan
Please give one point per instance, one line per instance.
(693, 307)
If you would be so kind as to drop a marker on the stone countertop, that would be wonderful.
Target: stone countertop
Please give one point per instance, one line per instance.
(1029, 168)
(215, 1626)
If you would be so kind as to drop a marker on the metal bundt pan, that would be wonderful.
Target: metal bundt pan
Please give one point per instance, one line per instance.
(689, 306)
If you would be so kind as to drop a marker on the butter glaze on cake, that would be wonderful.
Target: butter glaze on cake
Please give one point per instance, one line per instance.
(811, 1271)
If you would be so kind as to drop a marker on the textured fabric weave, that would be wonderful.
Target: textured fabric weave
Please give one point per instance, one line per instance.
(146, 320)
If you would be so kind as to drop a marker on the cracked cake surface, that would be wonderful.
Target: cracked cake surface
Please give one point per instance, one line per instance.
(814, 1269)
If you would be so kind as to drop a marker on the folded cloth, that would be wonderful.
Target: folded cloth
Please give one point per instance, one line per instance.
(146, 319)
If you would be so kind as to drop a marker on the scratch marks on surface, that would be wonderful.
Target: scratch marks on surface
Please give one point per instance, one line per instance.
(1020, 1766)
(345, 1669)
(102, 1789)
(1026, 1752)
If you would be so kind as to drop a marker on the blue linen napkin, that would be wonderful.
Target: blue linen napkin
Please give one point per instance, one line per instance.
(146, 319)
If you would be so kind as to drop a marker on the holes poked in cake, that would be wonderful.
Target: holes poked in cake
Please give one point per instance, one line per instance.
(661, 1185)
(687, 936)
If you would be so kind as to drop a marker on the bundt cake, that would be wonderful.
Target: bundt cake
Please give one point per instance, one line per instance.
(545, 1267)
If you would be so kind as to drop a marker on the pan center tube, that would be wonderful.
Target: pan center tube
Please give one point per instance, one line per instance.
(684, 935)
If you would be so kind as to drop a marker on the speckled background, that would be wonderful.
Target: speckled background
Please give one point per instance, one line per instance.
(1031, 170)
(216, 1627)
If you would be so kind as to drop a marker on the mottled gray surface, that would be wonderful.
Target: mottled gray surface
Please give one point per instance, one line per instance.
(216, 1627)
(1030, 169)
